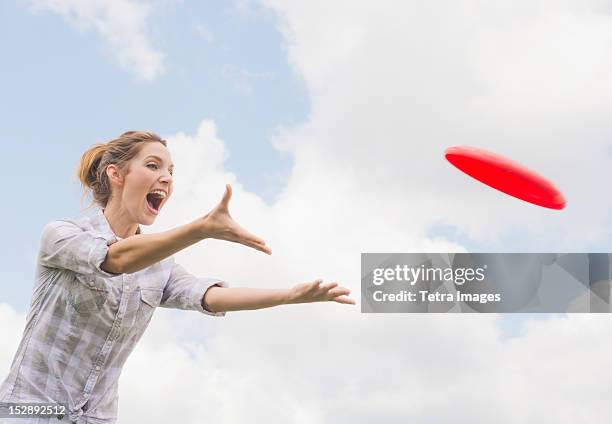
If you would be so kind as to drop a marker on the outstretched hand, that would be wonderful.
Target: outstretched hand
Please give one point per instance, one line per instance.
(219, 224)
(316, 292)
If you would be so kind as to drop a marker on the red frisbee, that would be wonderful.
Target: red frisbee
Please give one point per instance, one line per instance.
(506, 175)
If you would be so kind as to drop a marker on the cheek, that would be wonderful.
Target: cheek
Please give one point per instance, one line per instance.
(140, 182)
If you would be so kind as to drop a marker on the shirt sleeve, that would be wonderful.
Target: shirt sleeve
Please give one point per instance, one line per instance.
(66, 245)
(186, 291)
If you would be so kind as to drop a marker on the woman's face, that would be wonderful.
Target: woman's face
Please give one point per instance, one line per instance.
(147, 183)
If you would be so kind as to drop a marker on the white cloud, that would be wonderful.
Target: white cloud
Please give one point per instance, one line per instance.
(393, 84)
(12, 325)
(121, 23)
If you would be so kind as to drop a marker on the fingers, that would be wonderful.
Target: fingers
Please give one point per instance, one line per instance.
(255, 242)
(316, 291)
(260, 247)
(337, 294)
(328, 286)
(340, 291)
(254, 239)
(240, 234)
(257, 246)
(345, 300)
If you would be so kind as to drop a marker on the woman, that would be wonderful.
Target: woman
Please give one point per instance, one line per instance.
(99, 279)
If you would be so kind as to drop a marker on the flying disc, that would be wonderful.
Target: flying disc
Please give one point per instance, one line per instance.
(506, 176)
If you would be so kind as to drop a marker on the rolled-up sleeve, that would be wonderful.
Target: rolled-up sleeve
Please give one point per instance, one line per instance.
(66, 245)
(186, 291)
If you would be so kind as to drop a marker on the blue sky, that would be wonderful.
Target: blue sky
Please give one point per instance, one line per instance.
(61, 92)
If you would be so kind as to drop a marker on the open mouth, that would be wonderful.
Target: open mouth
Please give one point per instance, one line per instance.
(154, 200)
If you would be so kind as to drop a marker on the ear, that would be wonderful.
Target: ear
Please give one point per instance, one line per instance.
(114, 174)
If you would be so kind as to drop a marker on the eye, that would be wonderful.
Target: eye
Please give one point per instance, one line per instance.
(152, 164)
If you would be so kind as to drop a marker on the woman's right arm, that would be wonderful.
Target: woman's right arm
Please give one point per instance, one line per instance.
(139, 251)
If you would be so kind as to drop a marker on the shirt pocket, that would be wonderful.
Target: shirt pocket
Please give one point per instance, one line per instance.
(87, 294)
(150, 298)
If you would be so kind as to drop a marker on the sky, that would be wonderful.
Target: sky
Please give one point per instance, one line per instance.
(65, 88)
(330, 121)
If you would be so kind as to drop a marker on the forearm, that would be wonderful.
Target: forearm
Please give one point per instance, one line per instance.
(139, 251)
(219, 299)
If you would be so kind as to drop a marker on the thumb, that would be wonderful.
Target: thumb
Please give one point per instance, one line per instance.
(227, 195)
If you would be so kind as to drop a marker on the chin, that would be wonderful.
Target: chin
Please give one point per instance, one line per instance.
(148, 220)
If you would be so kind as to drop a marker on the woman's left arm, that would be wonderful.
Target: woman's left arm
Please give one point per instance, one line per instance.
(217, 299)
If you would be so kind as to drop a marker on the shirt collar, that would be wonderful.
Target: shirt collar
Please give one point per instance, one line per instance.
(101, 224)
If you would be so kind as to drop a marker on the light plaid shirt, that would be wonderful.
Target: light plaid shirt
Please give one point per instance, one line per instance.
(83, 322)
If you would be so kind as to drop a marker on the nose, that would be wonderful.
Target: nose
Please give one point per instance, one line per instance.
(166, 177)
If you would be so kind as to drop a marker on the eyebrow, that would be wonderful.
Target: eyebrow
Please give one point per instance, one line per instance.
(159, 159)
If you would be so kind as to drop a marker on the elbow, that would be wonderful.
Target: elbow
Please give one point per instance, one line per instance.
(114, 264)
(111, 267)
(209, 301)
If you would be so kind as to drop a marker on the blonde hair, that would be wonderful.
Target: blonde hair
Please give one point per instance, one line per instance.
(92, 166)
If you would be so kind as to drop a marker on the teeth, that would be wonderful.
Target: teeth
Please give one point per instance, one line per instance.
(161, 193)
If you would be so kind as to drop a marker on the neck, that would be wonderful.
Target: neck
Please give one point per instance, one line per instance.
(119, 220)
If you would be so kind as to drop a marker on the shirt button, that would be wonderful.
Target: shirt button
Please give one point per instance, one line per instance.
(97, 367)
(127, 287)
